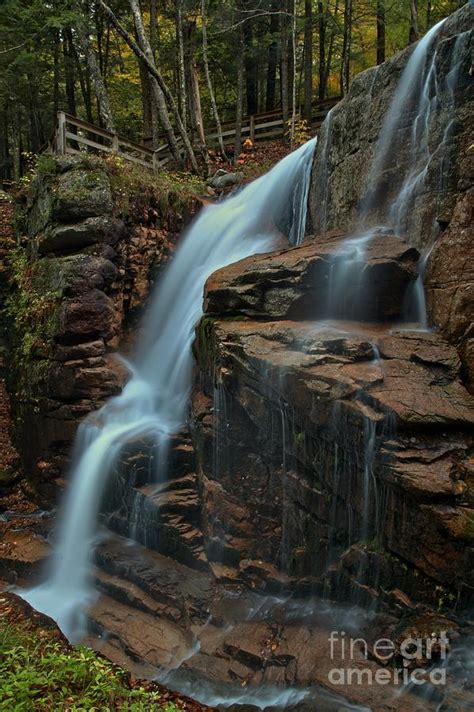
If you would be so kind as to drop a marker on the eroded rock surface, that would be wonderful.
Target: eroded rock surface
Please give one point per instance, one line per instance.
(326, 435)
(305, 282)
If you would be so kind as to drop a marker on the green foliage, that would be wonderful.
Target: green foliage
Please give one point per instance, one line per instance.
(39, 673)
(30, 307)
(134, 188)
(301, 131)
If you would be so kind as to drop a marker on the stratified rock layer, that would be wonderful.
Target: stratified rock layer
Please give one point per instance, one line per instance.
(76, 294)
(322, 436)
(303, 282)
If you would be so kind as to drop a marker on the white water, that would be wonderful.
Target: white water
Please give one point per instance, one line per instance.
(154, 401)
(411, 82)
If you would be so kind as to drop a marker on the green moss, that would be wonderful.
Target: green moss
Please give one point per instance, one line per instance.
(32, 312)
(204, 348)
(136, 191)
(468, 531)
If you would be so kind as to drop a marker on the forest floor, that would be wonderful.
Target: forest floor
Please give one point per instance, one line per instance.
(254, 162)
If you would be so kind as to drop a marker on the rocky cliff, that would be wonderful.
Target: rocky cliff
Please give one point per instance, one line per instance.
(329, 444)
(345, 444)
(439, 197)
(94, 237)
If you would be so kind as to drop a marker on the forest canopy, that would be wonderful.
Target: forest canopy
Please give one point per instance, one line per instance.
(157, 71)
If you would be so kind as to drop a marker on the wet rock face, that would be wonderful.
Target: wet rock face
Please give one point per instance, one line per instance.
(348, 140)
(85, 287)
(313, 437)
(332, 278)
(450, 282)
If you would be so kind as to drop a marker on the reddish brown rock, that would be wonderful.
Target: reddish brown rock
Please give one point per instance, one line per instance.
(450, 282)
(300, 282)
(306, 408)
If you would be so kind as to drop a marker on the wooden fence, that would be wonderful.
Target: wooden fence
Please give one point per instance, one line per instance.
(75, 136)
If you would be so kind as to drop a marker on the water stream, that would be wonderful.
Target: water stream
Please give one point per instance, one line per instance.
(154, 402)
(155, 399)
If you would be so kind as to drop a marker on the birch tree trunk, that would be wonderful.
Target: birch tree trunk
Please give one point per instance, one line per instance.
(293, 84)
(103, 103)
(156, 90)
(308, 59)
(182, 102)
(346, 47)
(240, 96)
(272, 58)
(147, 59)
(380, 31)
(284, 68)
(210, 88)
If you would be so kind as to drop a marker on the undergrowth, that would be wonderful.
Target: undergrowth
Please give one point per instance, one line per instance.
(42, 674)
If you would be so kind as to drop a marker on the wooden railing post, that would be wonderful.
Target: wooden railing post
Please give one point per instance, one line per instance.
(61, 135)
(115, 143)
(252, 128)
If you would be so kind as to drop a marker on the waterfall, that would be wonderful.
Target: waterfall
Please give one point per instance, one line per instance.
(155, 399)
(410, 85)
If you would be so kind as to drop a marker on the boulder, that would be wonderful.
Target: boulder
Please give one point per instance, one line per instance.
(338, 277)
(92, 314)
(81, 193)
(75, 236)
(222, 179)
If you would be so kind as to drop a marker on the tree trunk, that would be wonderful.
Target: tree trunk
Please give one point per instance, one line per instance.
(251, 76)
(272, 59)
(147, 59)
(346, 47)
(428, 14)
(330, 49)
(105, 111)
(322, 51)
(85, 86)
(5, 165)
(293, 84)
(182, 103)
(380, 31)
(196, 103)
(57, 41)
(146, 107)
(414, 33)
(16, 145)
(240, 95)
(156, 89)
(308, 59)
(284, 68)
(210, 88)
(69, 71)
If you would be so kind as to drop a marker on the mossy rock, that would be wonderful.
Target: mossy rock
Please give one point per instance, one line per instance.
(81, 193)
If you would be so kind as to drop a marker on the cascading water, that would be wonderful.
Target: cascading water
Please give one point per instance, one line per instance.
(430, 96)
(410, 85)
(154, 401)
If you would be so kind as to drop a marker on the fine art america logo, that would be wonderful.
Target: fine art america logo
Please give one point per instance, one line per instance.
(401, 662)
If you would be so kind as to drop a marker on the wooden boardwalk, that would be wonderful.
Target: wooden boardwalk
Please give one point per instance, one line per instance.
(75, 136)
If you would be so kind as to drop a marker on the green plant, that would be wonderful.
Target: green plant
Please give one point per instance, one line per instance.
(29, 308)
(40, 673)
(301, 131)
